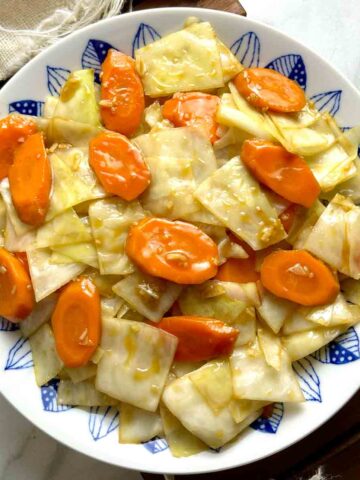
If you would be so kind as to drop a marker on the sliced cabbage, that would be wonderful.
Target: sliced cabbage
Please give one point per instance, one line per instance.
(270, 345)
(182, 443)
(297, 322)
(236, 198)
(337, 313)
(125, 311)
(304, 118)
(304, 222)
(187, 60)
(274, 310)
(64, 229)
(84, 252)
(241, 409)
(50, 106)
(150, 296)
(59, 259)
(335, 238)
(41, 314)
(104, 283)
(351, 290)
(80, 374)
(137, 425)
(19, 227)
(110, 222)
(182, 368)
(350, 188)
(111, 306)
(17, 243)
(179, 159)
(254, 379)
(246, 325)
(82, 394)
(214, 382)
(184, 401)
(229, 63)
(47, 363)
(77, 100)
(47, 277)
(68, 132)
(136, 362)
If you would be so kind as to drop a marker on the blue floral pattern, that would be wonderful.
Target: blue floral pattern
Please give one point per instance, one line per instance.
(27, 107)
(247, 49)
(56, 77)
(6, 326)
(145, 34)
(328, 101)
(344, 349)
(292, 66)
(19, 356)
(270, 419)
(49, 397)
(94, 55)
(308, 379)
(156, 445)
(102, 421)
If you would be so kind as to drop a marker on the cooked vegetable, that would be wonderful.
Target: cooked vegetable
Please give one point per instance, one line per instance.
(334, 314)
(40, 314)
(270, 345)
(270, 90)
(351, 290)
(288, 217)
(84, 252)
(14, 130)
(239, 270)
(83, 394)
(16, 292)
(111, 306)
(200, 338)
(176, 251)
(274, 310)
(298, 276)
(285, 173)
(303, 224)
(79, 374)
(76, 322)
(69, 133)
(122, 96)
(137, 425)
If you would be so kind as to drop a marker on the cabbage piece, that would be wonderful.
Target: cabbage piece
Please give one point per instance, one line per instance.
(270, 345)
(214, 382)
(84, 252)
(350, 188)
(104, 283)
(182, 443)
(111, 306)
(110, 222)
(136, 362)
(50, 106)
(304, 118)
(297, 322)
(254, 379)
(47, 363)
(47, 277)
(300, 345)
(41, 314)
(246, 325)
(336, 235)
(68, 132)
(303, 224)
(182, 368)
(77, 100)
(241, 409)
(19, 227)
(79, 374)
(83, 394)
(187, 60)
(63, 229)
(150, 296)
(236, 198)
(351, 290)
(184, 401)
(229, 63)
(59, 259)
(125, 311)
(179, 159)
(274, 310)
(137, 425)
(337, 313)
(17, 243)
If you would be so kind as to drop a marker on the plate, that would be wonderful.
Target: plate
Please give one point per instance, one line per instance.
(328, 378)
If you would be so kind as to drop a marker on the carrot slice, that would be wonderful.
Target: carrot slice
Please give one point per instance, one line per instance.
(16, 292)
(76, 322)
(122, 95)
(119, 165)
(283, 172)
(30, 180)
(287, 217)
(270, 90)
(176, 251)
(298, 276)
(193, 109)
(23, 259)
(14, 130)
(200, 338)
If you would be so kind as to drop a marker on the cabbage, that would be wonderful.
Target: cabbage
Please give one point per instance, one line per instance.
(17, 243)
(182, 368)
(104, 283)
(254, 379)
(184, 401)
(46, 277)
(84, 252)
(110, 222)
(125, 311)
(305, 118)
(246, 325)
(41, 314)
(137, 425)
(79, 374)
(68, 132)
(274, 310)
(83, 394)
(236, 198)
(111, 306)
(153, 120)
(136, 362)
(241, 409)
(19, 227)
(337, 313)
(187, 60)
(50, 106)
(351, 290)
(150, 296)
(214, 382)
(182, 443)
(336, 235)
(179, 159)
(297, 322)
(47, 363)
(77, 99)
(350, 188)
(229, 63)
(271, 347)
(303, 224)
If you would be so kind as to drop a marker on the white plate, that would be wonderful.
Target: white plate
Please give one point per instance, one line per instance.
(328, 378)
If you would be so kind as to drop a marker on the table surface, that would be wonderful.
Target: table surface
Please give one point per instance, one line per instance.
(28, 454)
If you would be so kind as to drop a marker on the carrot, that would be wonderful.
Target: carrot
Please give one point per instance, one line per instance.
(16, 292)
(283, 172)
(122, 96)
(270, 90)
(287, 217)
(176, 251)
(200, 338)
(23, 259)
(76, 322)
(30, 180)
(298, 276)
(193, 109)
(119, 165)
(14, 130)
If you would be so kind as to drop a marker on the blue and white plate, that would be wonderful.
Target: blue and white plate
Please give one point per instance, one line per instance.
(328, 378)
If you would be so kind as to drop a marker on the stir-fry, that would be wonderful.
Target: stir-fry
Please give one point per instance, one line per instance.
(173, 240)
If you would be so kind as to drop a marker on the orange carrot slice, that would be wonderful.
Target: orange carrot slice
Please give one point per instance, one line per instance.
(241, 270)
(287, 217)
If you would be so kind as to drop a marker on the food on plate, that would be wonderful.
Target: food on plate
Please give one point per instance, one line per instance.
(173, 241)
